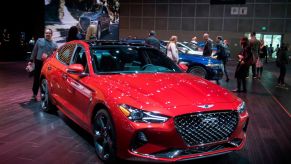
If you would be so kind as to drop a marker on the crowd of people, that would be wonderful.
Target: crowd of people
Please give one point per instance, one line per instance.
(252, 54)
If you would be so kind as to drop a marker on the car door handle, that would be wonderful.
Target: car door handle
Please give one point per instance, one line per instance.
(49, 68)
(65, 76)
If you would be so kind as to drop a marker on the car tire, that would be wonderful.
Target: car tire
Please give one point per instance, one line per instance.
(46, 104)
(104, 137)
(99, 32)
(198, 71)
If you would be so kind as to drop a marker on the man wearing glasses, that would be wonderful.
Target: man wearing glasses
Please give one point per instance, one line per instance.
(43, 48)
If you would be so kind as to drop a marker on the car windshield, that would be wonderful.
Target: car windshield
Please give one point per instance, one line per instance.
(95, 8)
(119, 60)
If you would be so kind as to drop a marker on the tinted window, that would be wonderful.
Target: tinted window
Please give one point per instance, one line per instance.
(131, 60)
(65, 53)
(80, 58)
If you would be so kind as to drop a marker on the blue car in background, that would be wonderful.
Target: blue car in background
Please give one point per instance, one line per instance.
(205, 67)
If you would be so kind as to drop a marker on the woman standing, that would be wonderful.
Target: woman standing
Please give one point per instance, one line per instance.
(91, 33)
(73, 34)
(259, 62)
(282, 61)
(244, 61)
(172, 51)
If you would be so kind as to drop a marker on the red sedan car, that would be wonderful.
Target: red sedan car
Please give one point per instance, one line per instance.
(139, 105)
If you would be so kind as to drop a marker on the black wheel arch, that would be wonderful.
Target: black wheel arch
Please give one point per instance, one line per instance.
(101, 106)
(199, 65)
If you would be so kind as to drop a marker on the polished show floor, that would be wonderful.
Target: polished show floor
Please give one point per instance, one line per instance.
(28, 135)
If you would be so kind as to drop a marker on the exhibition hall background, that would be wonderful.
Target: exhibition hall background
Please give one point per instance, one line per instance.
(184, 18)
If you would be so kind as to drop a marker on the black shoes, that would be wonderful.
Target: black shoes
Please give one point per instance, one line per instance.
(238, 91)
(33, 98)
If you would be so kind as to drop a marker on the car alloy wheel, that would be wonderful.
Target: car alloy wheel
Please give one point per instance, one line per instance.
(46, 104)
(104, 136)
(198, 71)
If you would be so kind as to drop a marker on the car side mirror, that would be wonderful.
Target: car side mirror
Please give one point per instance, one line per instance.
(183, 67)
(75, 69)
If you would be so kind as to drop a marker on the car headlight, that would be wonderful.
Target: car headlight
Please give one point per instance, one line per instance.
(242, 107)
(138, 115)
(213, 65)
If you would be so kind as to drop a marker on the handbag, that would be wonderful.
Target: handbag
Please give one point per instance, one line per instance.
(30, 67)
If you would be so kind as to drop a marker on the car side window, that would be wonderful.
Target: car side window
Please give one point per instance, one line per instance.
(65, 53)
(79, 57)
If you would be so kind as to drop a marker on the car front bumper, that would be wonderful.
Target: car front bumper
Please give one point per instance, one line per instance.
(162, 142)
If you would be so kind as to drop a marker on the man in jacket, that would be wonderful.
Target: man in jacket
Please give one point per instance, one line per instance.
(207, 51)
(152, 40)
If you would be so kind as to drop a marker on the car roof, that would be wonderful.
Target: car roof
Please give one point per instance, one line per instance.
(114, 43)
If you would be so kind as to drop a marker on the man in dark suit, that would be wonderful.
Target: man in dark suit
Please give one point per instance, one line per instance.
(207, 51)
(152, 40)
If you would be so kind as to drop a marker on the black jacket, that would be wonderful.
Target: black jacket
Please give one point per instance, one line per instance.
(153, 41)
(207, 51)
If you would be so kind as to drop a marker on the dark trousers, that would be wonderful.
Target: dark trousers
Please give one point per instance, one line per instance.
(224, 69)
(254, 70)
(259, 71)
(241, 81)
(282, 74)
(36, 80)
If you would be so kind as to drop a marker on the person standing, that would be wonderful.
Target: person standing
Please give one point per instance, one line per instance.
(194, 43)
(262, 55)
(255, 47)
(242, 68)
(152, 40)
(221, 55)
(115, 7)
(282, 61)
(226, 47)
(207, 50)
(73, 34)
(43, 48)
(172, 50)
(270, 51)
(194, 40)
(91, 33)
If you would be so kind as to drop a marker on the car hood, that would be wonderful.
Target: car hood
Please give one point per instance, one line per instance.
(162, 90)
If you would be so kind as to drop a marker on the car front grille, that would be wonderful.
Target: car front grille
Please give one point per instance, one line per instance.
(84, 23)
(205, 128)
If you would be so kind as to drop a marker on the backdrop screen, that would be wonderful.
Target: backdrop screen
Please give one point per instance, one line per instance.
(227, 2)
(61, 15)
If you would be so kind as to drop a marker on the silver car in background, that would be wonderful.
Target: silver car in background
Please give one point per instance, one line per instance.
(97, 15)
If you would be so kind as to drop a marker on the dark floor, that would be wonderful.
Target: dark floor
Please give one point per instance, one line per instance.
(30, 136)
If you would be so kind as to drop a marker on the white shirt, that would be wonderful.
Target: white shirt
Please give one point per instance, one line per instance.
(172, 52)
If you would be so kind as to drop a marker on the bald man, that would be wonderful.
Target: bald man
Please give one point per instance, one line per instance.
(207, 51)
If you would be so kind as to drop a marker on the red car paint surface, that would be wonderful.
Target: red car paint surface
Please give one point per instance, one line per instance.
(172, 96)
